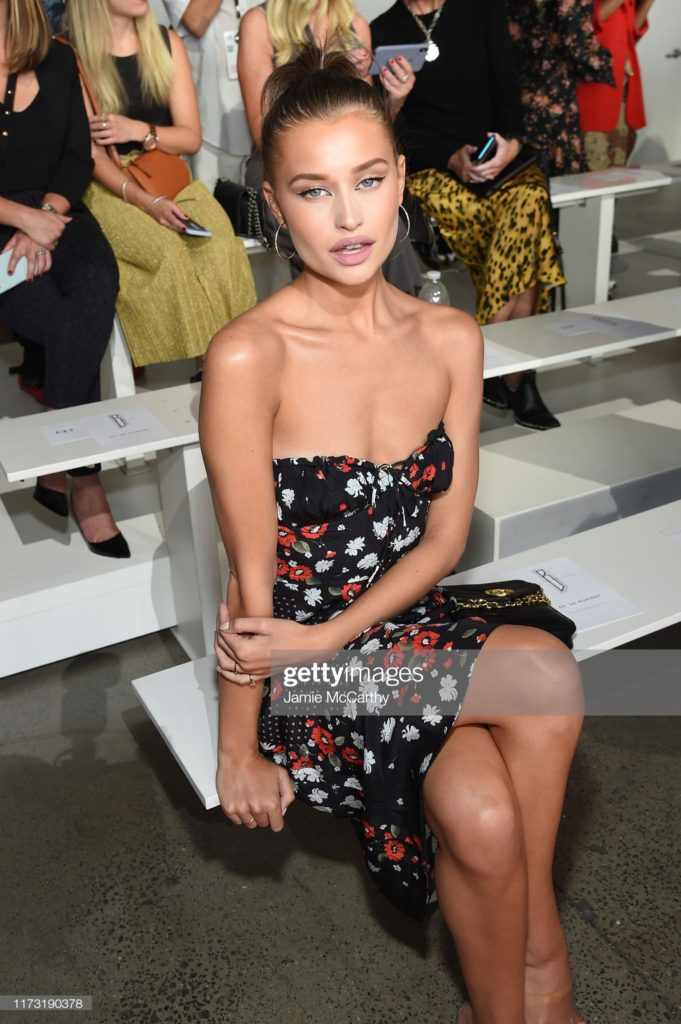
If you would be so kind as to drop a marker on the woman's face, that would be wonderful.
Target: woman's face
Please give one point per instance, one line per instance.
(128, 8)
(338, 188)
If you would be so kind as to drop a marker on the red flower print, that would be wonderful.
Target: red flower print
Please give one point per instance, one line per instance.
(330, 554)
(394, 657)
(413, 470)
(309, 722)
(282, 567)
(299, 572)
(480, 637)
(342, 507)
(439, 598)
(352, 755)
(369, 830)
(424, 640)
(320, 474)
(323, 739)
(276, 690)
(316, 530)
(393, 849)
(443, 464)
(350, 591)
(417, 842)
(429, 473)
(286, 536)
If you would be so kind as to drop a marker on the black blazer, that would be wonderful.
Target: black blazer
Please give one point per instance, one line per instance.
(71, 161)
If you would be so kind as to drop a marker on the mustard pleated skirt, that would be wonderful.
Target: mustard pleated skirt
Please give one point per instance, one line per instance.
(176, 291)
(506, 240)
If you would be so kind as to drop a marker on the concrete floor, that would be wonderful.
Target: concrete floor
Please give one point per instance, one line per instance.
(116, 883)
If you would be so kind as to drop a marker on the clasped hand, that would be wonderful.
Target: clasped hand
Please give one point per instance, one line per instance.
(249, 649)
(114, 129)
(38, 237)
(465, 168)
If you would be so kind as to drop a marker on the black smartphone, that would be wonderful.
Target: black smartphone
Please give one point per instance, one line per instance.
(486, 151)
(192, 228)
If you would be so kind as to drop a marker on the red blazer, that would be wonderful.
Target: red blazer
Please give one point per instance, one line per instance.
(599, 105)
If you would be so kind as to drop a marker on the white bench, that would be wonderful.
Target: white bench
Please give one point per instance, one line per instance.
(182, 701)
(587, 212)
(545, 485)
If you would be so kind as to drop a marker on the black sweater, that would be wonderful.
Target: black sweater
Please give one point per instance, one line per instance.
(68, 165)
(472, 87)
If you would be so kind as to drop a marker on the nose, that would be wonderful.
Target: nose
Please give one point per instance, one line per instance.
(348, 212)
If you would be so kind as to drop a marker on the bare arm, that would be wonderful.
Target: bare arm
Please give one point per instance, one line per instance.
(237, 450)
(199, 14)
(255, 63)
(182, 136)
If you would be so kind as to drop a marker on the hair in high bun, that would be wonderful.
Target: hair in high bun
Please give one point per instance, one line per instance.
(319, 83)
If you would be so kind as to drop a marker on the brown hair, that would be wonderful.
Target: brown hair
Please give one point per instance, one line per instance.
(319, 83)
(28, 35)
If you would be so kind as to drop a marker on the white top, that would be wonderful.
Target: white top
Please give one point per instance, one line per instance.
(223, 118)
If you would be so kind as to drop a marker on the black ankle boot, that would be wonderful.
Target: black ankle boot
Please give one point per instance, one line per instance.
(527, 404)
(494, 392)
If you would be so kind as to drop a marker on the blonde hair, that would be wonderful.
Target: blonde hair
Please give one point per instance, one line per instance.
(28, 35)
(287, 22)
(89, 29)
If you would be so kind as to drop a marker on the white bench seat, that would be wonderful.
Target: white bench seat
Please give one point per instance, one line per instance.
(545, 485)
(182, 701)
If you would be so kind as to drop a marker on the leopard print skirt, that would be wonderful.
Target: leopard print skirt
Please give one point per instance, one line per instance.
(505, 240)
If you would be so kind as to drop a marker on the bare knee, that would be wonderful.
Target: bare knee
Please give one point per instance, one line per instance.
(477, 823)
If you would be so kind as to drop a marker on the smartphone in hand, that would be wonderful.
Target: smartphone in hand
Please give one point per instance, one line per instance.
(192, 228)
(486, 151)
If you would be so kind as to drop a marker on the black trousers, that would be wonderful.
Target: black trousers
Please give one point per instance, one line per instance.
(70, 311)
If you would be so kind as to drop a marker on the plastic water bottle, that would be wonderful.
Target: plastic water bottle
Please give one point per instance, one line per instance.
(434, 290)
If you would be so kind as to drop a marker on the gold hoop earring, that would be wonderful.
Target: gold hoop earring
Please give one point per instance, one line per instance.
(276, 244)
(406, 235)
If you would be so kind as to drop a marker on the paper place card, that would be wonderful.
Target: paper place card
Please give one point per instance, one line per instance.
(495, 358)
(615, 327)
(573, 590)
(61, 433)
(674, 532)
(110, 430)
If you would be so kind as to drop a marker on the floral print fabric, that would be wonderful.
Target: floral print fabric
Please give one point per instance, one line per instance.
(556, 49)
(343, 522)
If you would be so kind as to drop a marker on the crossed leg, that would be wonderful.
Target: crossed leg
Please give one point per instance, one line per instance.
(493, 797)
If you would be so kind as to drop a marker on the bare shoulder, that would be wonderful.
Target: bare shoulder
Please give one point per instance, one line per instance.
(254, 21)
(453, 334)
(246, 349)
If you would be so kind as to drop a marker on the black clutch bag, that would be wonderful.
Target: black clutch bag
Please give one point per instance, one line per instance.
(515, 603)
(527, 156)
(247, 210)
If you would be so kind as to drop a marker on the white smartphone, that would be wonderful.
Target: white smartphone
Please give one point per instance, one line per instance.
(20, 272)
(415, 53)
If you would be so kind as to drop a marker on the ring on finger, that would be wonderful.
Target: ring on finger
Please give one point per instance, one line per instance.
(252, 680)
(405, 78)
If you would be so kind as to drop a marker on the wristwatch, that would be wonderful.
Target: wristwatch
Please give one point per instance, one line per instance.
(150, 139)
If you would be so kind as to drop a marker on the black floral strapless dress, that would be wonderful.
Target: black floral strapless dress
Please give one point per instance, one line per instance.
(343, 522)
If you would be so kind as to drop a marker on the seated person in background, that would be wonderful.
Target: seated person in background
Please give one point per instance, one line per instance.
(67, 303)
(270, 35)
(207, 26)
(612, 113)
(176, 290)
(555, 50)
(465, 91)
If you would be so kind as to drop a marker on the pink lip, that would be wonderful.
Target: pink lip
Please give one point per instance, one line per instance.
(359, 255)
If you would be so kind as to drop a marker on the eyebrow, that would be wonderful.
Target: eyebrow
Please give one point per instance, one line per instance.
(324, 177)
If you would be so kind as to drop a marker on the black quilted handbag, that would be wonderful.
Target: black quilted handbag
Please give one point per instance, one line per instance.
(515, 603)
(246, 208)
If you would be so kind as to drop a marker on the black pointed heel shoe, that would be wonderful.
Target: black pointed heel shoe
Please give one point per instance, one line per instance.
(53, 501)
(112, 547)
(528, 405)
(494, 392)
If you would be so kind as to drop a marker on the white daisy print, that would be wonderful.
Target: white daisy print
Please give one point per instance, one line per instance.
(354, 546)
(431, 715)
(369, 761)
(369, 561)
(448, 689)
(410, 733)
(387, 729)
(358, 740)
(313, 595)
(323, 565)
(287, 496)
(426, 761)
(317, 795)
